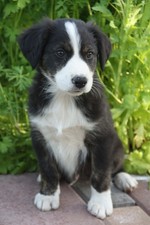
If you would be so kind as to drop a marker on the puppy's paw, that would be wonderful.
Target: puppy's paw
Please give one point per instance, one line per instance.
(125, 182)
(100, 204)
(47, 202)
(39, 178)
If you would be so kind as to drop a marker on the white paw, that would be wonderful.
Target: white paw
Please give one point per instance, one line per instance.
(100, 204)
(39, 178)
(125, 182)
(47, 202)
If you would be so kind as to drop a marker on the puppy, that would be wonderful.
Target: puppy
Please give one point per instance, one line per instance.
(69, 115)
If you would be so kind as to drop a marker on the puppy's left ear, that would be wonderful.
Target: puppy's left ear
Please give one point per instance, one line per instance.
(103, 44)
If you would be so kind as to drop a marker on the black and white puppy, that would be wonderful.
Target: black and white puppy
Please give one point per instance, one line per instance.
(69, 115)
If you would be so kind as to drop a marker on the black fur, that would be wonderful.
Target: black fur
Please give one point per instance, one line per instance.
(38, 45)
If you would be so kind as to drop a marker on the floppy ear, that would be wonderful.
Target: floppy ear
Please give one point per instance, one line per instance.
(103, 44)
(33, 41)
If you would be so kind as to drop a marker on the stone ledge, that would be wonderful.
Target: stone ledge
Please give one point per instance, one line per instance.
(16, 204)
(142, 196)
(128, 216)
(17, 208)
(119, 198)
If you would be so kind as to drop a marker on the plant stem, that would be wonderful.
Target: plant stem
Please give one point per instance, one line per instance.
(51, 11)
(89, 8)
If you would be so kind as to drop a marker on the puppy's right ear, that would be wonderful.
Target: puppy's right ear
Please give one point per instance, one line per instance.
(33, 41)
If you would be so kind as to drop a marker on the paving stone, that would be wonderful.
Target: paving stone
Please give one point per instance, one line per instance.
(119, 198)
(128, 216)
(142, 196)
(16, 204)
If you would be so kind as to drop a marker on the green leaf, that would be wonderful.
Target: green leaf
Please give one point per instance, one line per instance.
(130, 102)
(22, 3)
(112, 25)
(117, 112)
(146, 100)
(135, 163)
(5, 144)
(10, 8)
(139, 135)
(103, 9)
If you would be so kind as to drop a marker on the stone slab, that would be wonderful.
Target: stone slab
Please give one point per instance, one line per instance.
(17, 208)
(128, 216)
(142, 196)
(119, 198)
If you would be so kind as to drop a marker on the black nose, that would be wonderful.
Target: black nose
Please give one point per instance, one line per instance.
(79, 81)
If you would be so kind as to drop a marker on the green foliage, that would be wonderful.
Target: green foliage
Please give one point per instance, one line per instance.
(126, 76)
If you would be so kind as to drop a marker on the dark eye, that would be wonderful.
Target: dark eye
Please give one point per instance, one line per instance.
(89, 55)
(60, 53)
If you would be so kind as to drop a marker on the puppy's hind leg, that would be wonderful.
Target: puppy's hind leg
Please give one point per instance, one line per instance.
(122, 180)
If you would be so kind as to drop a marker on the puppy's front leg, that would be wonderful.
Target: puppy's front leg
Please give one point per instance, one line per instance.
(100, 203)
(48, 197)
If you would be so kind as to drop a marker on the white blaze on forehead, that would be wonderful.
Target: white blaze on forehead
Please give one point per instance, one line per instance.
(74, 36)
(75, 66)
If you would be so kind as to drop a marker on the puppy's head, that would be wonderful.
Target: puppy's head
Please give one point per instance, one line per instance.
(66, 52)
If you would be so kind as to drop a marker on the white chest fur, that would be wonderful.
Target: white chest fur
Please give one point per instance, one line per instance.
(63, 126)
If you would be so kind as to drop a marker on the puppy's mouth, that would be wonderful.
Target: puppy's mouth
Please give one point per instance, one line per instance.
(76, 92)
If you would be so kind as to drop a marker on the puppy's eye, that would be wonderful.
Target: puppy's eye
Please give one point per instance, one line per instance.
(89, 55)
(60, 53)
